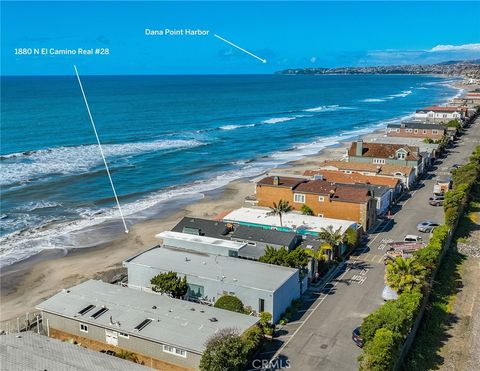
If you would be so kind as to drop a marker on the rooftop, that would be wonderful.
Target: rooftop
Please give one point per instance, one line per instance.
(416, 125)
(233, 271)
(384, 169)
(175, 322)
(202, 240)
(418, 142)
(28, 351)
(293, 221)
(205, 227)
(441, 109)
(336, 176)
(215, 228)
(283, 181)
(382, 150)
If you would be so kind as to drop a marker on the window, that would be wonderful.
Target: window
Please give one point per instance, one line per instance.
(320, 215)
(261, 305)
(196, 291)
(83, 327)
(424, 131)
(233, 253)
(434, 131)
(401, 155)
(124, 335)
(378, 160)
(299, 198)
(409, 130)
(415, 131)
(397, 130)
(348, 171)
(321, 199)
(175, 351)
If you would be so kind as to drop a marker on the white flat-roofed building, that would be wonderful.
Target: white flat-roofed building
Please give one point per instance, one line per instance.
(204, 244)
(263, 287)
(159, 329)
(293, 221)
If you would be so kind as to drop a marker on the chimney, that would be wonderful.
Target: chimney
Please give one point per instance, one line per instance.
(359, 149)
(276, 180)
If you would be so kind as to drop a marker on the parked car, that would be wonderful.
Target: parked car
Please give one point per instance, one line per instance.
(357, 338)
(436, 200)
(412, 238)
(426, 226)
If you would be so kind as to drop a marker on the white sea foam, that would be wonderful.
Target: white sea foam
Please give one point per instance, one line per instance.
(27, 166)
(277, 120)
(402, 94)
(330, 108)
(233, 127)
(36, 205)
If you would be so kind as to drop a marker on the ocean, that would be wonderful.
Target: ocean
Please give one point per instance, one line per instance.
(168, 140)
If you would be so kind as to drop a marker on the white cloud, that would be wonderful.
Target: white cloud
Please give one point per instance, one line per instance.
(313, 59)
(446, 48)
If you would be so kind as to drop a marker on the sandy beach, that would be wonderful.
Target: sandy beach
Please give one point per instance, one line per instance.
(27, 283)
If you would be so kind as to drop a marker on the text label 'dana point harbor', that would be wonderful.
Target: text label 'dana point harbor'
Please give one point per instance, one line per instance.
(176, 32)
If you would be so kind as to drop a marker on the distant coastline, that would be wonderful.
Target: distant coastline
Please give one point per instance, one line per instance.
(465, 69)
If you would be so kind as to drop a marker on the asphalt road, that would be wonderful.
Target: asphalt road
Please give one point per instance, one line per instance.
(320, 338)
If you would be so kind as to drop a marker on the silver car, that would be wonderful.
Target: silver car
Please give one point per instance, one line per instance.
(427, 226)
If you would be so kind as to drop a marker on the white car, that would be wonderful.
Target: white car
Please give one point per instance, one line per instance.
(412, 238)
(427, 226)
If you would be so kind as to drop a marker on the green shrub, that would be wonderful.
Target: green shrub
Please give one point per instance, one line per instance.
(252, 339)
(382, 352)
(230, 302)
(306, 210)
(225, 350)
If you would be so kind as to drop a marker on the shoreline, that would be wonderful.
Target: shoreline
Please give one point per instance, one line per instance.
(26, 283)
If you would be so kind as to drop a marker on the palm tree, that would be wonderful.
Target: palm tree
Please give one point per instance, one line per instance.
(333, 238)
(322, 254)
(404, 274)
(283, 207)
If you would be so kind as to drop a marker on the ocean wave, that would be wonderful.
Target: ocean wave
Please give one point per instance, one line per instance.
(277, 120)
(30, 165)
(233, 127)
(402, 94)
(330, 108)
(36, 205)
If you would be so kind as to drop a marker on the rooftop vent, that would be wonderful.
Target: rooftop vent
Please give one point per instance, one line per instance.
(213, 319)
(143, 324)
(99, 312)
(86, 309)
(154, 307)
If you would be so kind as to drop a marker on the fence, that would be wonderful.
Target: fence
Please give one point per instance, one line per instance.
(29, 322)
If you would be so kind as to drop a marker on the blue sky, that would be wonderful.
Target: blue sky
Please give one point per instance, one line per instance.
(287, 34)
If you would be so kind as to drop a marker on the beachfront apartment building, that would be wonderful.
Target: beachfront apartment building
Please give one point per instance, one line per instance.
(406, 174)
(352, 177)
(392, 154)
(308, 226)
(255, 240)
(470, 100)
(440, 114)
(415, 129)
(164, 333)
(325, 199)
(262, 287)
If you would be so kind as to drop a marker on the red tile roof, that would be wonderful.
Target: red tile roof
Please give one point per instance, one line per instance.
(336, 176)
(384, 150)
(283, 181)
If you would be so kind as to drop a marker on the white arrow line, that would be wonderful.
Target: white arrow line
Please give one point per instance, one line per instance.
(101, 150)
(243, 50)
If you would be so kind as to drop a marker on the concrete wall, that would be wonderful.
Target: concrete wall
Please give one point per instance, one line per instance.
(133, 344)
(139, 278)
